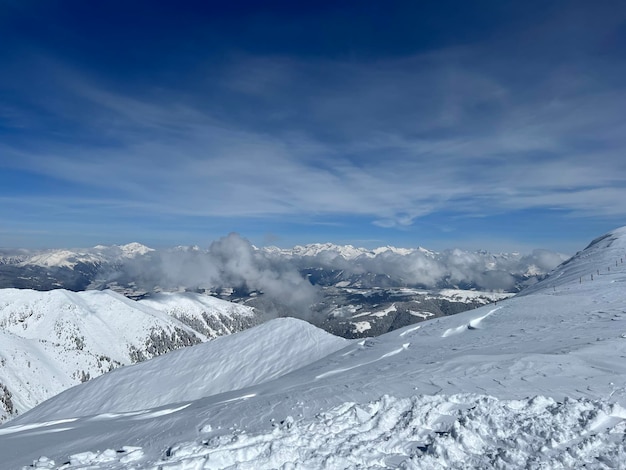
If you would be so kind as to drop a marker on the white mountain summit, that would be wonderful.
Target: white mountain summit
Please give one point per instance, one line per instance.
(536, 381)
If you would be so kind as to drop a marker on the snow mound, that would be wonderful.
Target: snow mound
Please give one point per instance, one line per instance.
(227, 363)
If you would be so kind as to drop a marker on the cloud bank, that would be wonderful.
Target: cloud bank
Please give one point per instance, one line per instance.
(283, 276)
(450, 268)
(230, 262)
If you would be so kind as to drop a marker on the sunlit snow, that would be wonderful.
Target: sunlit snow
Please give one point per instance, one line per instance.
(536, 381)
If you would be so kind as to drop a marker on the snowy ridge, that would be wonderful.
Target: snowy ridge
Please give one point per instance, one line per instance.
(96, 255)
(54, 340)
(12, 258)
(538, 381)
(50, 341)
(401, 251)
(600, 262)
(210, 316)
(130, 250)
(248, 358)
(62, 259)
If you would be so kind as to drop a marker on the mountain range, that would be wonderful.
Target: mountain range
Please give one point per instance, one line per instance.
(352, 292)
(53, 338)
(323, 264)
(536, 381)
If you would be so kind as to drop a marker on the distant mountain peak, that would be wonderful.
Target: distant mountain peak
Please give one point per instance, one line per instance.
(135, 249)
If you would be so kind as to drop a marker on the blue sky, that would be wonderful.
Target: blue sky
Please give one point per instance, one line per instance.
(488, 124)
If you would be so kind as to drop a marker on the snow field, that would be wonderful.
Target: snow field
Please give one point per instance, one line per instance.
(421, 432)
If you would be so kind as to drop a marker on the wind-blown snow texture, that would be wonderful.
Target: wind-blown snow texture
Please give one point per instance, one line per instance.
(538, 381)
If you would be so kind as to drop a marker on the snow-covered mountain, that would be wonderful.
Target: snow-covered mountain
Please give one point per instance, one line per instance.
(96, 255)
(66, 258)
(50, 341)
(349, 291)
(370, 292)
(74, 269)
(537, 381)
(249, 358)
(13, 257)
(347, 252)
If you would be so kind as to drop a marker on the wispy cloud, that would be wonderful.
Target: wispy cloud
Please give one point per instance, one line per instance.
(476, 129)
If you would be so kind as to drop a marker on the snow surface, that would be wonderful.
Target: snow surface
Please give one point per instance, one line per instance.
(538, 381)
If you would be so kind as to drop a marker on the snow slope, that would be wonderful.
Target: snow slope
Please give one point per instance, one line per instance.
(228, 363)
(538, 381)
(50, 341)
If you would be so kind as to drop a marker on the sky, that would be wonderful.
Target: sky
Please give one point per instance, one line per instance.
(478, 125)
